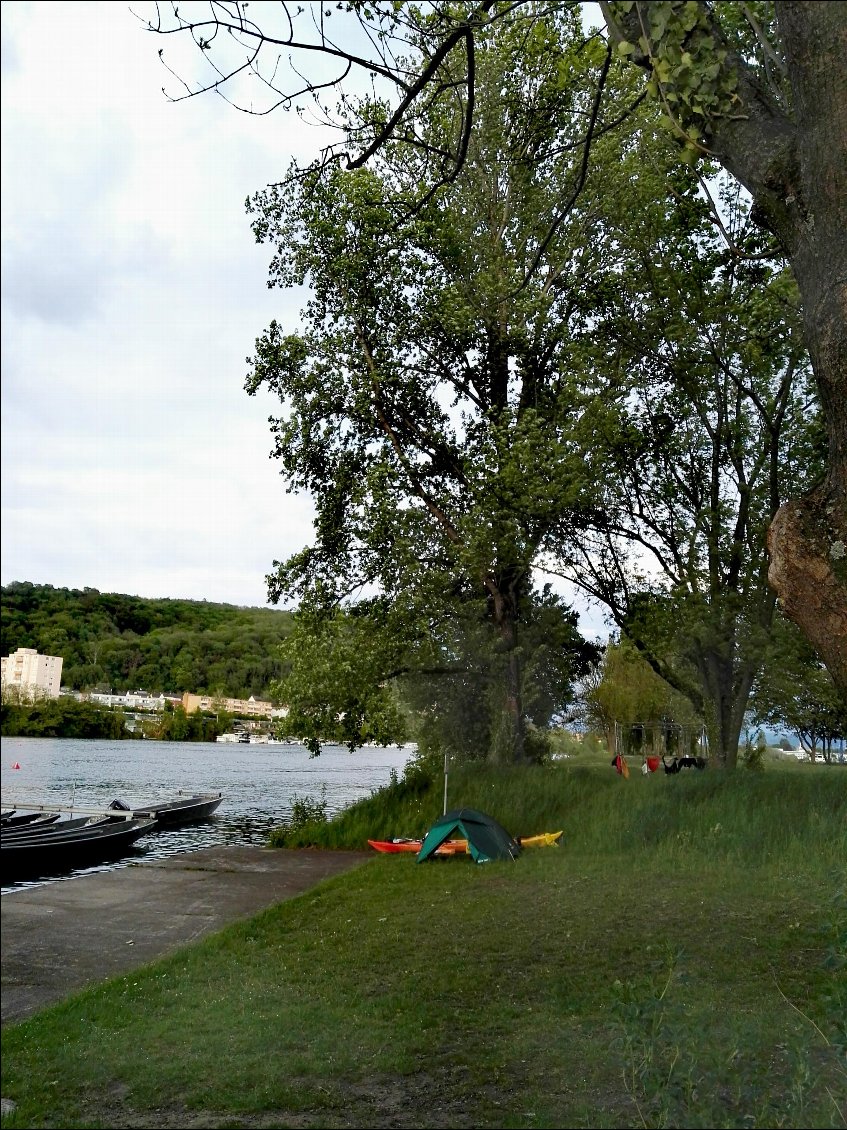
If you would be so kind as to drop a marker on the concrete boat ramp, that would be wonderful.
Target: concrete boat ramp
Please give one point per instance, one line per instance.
(67, 935)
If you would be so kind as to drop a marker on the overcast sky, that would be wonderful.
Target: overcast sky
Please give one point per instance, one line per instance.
(133, 291)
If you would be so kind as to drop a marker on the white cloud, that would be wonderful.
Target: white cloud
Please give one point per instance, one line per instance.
(133, 290)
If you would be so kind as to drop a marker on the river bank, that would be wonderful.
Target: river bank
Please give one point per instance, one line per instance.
(60, 937)
(260, 784)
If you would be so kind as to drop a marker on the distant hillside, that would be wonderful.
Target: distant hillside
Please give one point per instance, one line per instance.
(128, 642)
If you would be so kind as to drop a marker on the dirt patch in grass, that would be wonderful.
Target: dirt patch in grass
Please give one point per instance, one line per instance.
(424, 1101)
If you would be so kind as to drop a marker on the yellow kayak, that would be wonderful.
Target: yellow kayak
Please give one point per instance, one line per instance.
(545, 839)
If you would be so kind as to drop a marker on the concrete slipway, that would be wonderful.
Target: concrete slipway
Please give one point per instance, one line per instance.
(62, 937)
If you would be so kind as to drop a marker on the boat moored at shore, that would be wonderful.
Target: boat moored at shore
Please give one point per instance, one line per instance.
(43, 846)
(59, 852)
(184, 810)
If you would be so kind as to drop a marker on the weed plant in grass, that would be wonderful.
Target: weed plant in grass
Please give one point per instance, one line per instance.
(678, 961)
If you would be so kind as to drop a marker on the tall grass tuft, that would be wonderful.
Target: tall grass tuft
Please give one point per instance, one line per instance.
(703, 817)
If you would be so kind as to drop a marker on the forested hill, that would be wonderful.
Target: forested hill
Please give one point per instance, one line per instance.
(128, 642)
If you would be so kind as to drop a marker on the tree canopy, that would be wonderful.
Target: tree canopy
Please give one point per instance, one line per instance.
(708, 422)
(765, 97)
(763, 90)
(431, 400)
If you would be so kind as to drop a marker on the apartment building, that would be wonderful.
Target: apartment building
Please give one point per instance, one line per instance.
(133, 700)
(243, 708)
(30, 674)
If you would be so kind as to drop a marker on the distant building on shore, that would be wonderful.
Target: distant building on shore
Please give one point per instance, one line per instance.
(31, 675)
(132, 700)
(243, 708)
(191, 703)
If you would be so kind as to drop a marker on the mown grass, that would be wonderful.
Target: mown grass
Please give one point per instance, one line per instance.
(678, 961)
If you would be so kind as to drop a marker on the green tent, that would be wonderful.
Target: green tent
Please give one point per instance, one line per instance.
(487, 840)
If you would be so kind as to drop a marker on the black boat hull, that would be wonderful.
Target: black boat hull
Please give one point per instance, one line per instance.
(59, 853)
(183, 811)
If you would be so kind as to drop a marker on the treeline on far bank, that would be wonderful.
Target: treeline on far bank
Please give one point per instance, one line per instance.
(116, 642)
(73, 718)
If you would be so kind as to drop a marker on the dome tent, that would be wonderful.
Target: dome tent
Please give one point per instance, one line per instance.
(487, 840)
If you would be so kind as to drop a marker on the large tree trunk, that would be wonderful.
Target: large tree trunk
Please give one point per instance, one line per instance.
(794, 163)
(726, 694)
(504, 614)
(802, 570)
(807, 538)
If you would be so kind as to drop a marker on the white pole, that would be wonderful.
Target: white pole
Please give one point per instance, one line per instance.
(444, 813)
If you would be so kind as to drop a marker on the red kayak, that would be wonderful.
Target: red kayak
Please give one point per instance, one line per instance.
(449, 847)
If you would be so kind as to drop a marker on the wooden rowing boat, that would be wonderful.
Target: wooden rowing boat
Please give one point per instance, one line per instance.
(25, 819)
(29, 831)
(60, 852)
(38, 848)
(184, 810)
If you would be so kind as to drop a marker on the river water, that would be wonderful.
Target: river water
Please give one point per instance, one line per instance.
(259, 783)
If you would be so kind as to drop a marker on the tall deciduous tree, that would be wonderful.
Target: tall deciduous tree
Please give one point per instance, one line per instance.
(709, 424)
(431, 398)
(767, 99)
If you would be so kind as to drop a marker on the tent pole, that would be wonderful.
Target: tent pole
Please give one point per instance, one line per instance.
(444, 813)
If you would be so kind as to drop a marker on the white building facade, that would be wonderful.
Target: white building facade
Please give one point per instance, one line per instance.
(30, 674)
(133, 700)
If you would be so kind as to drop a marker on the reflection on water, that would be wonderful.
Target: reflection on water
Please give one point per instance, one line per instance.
(259, 783)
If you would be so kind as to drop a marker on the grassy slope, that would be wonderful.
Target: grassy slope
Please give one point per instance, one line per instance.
(678, 961)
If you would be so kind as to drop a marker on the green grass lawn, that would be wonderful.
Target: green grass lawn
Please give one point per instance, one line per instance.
(678, 961)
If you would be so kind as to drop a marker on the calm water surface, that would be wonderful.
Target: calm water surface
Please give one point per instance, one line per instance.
(260, 783)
